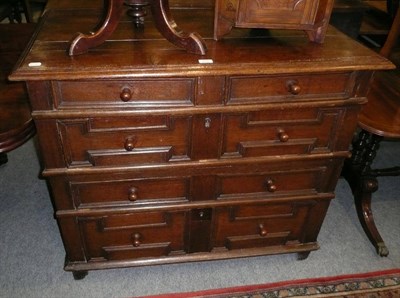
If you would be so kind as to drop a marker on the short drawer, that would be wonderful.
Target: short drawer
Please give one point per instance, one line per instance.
(258, 89)
(125, 192)
(124, 141)
(249, 226)
(133, 235)
(301, 180)
(287, 131)
(145, 92)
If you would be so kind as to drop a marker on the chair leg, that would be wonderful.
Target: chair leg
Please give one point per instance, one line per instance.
(27, 10)
(357, 172)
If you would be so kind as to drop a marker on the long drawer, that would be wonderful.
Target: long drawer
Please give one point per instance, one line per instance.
(162, 234)
(186, 92)
(166, 139)
(157, 187)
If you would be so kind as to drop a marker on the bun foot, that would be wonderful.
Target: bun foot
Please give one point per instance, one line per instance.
(303, 255)
(3, 158)
(78, 275)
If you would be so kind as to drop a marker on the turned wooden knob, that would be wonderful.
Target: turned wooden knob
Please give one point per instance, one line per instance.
(133, 194)
(129, 144)
(263, 231)
(126, 94)
(293, 87)
(271, 187)
(136, 239)
(283, 136)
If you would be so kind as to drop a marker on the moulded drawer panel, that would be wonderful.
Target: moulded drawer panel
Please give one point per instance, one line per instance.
(278, 183)
(277, 88)
(116, 141)
(260, 225)
(282, 131)
(101, 193)
(154, 92)
(276, 12)
(134, 235)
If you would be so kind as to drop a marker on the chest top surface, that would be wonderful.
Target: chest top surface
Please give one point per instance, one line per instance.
(134, 52)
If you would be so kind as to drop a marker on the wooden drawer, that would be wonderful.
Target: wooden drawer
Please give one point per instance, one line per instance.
(282, 131)
(256, 89)
(286, 180)
(260, 225)
(124, 93)
(161, 139)
(166, 139)
(133, 235)
(124, 141)
(106, 192)
(155, 187)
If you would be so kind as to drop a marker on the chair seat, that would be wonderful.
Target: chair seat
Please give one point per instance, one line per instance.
(381, 115)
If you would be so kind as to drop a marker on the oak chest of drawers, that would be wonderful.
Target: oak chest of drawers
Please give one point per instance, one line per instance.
(154, 157)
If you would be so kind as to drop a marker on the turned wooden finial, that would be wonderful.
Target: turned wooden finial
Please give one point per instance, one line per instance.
(137, 11)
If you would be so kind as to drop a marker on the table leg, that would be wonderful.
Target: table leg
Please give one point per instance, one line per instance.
(192, 42)
(109, 21)
(357, 172)
(362, 198)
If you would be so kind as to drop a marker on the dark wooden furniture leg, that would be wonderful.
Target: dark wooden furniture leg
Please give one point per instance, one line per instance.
(3, 158)
(108, 23)
(79, 275)
(27, 11)
(303, 255)
(192, 42)
(362, 180)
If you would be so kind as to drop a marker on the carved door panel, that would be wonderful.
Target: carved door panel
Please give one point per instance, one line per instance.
(276, 12)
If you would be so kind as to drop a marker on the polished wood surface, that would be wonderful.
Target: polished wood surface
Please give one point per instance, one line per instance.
(379, 119)
(382, 114)
(158, 156)
(227, 55)
(16, 125)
